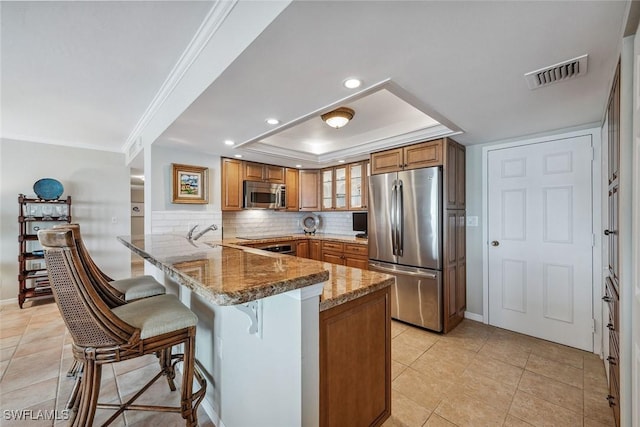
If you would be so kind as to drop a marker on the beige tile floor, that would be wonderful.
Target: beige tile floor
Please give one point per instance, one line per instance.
(479, 375)
(35, 355)
(475, 376)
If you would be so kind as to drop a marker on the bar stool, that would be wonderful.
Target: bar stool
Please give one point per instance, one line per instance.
(113, 292)
(104, 335)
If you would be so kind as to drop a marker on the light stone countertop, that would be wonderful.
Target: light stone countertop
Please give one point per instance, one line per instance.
(225, 273)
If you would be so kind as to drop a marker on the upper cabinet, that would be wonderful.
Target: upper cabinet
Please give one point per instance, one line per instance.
(262, 172)
(291, 182)
(358, 185)
(345, 187)
(454, 170)
(309, 188)
(334, 188)
(415, 156)
(232, 171)
(338, 188)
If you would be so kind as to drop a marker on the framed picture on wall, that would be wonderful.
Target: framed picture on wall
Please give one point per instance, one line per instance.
(189, 184)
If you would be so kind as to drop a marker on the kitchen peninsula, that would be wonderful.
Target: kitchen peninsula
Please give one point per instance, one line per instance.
(284, 341)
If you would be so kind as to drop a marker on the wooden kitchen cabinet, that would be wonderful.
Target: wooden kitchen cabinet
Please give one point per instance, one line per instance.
(309, 190)
(358, 185)
(232, 171)
(425, 154)
(454, 176)
(355, 362)
(291, 184)
(356, 255)
(302, 248)
(315, 250)
(455, 273)
(262, 172)
(334, 188)
(349, 254)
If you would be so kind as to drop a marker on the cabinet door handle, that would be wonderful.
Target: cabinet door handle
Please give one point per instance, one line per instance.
(607, 298)
(611, 327)
(611, 360)
(611, 400)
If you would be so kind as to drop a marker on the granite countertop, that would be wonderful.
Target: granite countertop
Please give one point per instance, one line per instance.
(225, 273)
(347, 283)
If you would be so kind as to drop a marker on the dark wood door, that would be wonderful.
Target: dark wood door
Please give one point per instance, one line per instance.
(612, 281)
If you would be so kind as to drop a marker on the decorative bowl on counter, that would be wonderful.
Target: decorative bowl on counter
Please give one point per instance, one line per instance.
(309, 223)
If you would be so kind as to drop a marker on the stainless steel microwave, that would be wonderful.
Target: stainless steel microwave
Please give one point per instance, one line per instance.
(264, 195)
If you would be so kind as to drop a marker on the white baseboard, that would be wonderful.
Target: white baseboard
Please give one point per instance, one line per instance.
(474, 316)
(213, 415)
(9, 301)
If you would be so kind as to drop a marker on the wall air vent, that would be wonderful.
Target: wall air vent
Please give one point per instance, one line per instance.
(557, 73)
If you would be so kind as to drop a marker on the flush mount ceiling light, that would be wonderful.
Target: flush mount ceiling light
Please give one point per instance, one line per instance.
(272, 121)
(338, 117)
(352, 83)
(229, 142)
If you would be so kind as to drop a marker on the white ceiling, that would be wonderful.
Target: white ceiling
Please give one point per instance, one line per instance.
(90, 73)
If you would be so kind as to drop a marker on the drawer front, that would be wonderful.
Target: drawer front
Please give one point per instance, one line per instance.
(332, 246)
(355, 249)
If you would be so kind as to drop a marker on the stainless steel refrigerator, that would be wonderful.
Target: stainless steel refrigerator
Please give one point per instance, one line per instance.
(405, 239)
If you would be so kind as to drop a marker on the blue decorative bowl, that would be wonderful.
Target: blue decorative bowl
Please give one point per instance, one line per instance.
(48, 189)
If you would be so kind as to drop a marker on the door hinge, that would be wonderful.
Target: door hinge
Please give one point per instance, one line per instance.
(593, 240)
(593, 326)
(593, 154)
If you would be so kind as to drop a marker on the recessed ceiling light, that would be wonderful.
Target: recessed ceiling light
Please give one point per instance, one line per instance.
(340, 161)
(272, 121)
(229, 142)
(238, 155)
(352, 83)
(298, 166)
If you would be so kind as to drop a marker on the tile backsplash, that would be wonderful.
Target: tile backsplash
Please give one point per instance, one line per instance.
(179, 222)
(260, 222)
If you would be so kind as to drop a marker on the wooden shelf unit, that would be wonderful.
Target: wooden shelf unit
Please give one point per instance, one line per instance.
(33, 280)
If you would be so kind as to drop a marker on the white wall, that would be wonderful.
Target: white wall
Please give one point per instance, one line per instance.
(98, 183)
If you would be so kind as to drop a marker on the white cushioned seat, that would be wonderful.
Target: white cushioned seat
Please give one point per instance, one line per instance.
(138, 287)
(156, 315)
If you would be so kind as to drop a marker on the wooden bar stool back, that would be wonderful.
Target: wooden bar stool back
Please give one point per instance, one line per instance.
(104, 335)
(113, 292)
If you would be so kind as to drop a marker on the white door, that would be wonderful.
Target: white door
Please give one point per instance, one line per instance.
(540, 240)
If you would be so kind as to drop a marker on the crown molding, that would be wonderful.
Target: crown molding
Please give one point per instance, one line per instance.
(210, 25)
(72, 144)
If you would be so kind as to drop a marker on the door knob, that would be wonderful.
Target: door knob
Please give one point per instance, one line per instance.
(607, 232)
(495, 243)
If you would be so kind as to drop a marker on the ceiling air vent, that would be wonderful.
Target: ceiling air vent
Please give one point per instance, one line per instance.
(557, 73)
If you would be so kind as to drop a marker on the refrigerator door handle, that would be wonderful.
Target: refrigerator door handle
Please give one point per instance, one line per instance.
(399, 219)
(379, 267)
(394, 191)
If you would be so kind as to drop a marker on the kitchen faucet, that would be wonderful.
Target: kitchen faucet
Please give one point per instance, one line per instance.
(212, 227)
(190, 232)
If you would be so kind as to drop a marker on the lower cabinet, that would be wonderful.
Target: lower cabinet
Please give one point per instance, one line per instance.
(302, 248)
(355, 362)
(315, 250)
(455, 271)
(349, 254)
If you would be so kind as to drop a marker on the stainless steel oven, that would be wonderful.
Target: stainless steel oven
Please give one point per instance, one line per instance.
(264, 195)
(281, 248)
